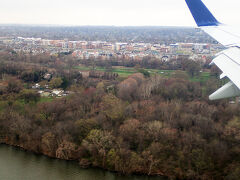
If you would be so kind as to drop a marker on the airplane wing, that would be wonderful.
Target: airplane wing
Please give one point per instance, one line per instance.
(228, 60)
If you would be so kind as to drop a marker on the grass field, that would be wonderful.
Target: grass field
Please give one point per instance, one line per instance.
(203, 77)
(46, 99)
(124, 72)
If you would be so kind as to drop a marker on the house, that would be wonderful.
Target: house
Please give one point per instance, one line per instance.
(36, 86)
(57, 92)
(40, 92)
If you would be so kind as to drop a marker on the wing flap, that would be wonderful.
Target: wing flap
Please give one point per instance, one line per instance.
(227, 91)
(222, 76)
(229, 62)
(233, 53)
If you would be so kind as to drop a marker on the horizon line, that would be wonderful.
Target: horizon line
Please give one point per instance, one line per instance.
(72, 25)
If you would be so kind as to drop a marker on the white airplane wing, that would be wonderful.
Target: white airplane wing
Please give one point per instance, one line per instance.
(228, 60)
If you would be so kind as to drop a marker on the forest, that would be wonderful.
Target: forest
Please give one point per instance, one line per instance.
(139, 124)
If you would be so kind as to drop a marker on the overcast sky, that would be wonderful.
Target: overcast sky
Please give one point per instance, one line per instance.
(112, 12)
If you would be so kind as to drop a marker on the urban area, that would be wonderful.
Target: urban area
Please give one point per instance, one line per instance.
(106, 50)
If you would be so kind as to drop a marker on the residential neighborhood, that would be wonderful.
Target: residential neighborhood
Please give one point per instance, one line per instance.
(106, 50)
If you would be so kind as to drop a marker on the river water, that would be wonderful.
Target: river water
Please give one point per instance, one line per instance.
(16, 164)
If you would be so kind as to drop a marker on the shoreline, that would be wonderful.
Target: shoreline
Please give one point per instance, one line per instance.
(18, 147)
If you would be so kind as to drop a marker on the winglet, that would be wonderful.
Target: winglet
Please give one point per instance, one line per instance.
(201, 14)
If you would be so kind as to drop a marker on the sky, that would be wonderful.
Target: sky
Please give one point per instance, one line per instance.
(112, 12)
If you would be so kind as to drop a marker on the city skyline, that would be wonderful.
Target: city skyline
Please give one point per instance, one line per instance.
(110, 13)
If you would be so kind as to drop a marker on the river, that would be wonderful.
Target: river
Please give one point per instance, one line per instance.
(16, 164)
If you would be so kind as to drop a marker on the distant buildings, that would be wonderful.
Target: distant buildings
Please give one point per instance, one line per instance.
(106, 50)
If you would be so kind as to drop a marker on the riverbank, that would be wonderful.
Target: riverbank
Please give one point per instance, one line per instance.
(82, 163)
(17, 164)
